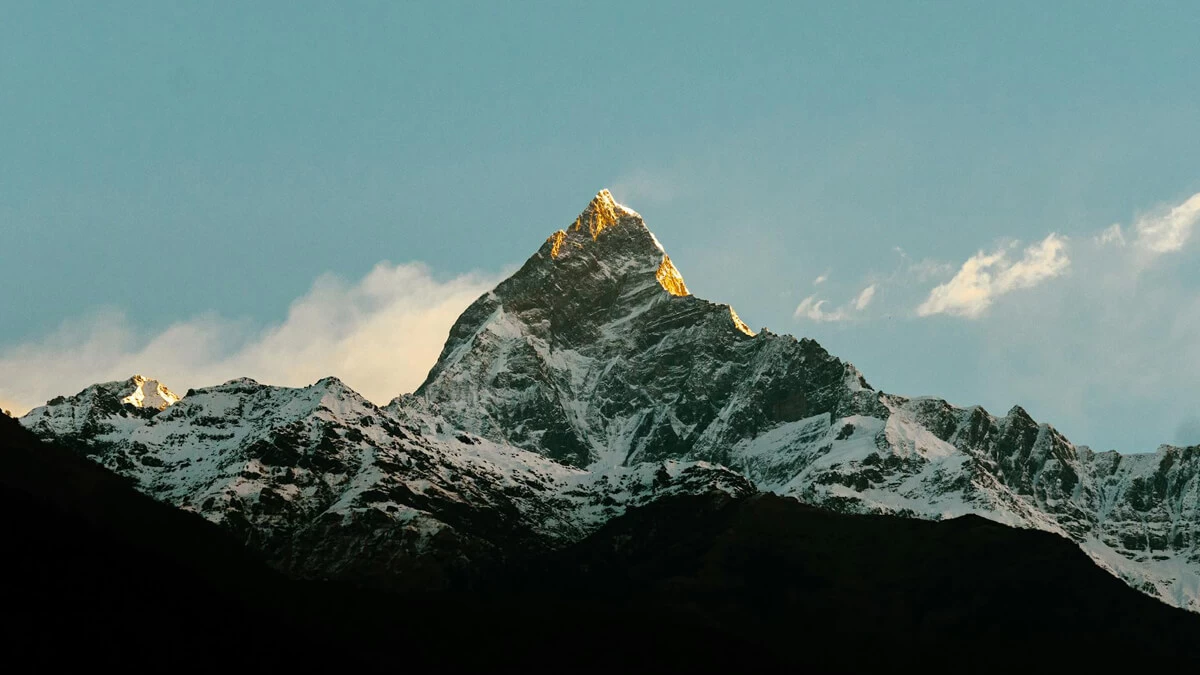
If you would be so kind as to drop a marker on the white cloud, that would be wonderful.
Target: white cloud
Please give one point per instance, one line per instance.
(983, 278)
(864, 298)
(820, 280)
(810, 308)
(380, 335)
(814, 310)
(1102, 346)
(1165, 232)
(1087, 351)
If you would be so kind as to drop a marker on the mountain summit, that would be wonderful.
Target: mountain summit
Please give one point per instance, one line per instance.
(595, 353)
(602, 213)
(592, 381)
(149, 394)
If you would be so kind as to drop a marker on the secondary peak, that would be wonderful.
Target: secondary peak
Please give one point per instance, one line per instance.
(148, 393)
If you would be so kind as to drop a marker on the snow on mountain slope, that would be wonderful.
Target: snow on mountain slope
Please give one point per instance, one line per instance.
(93, 413)
(586, 356)
(590, 380)
(326, 484)
(150, 394)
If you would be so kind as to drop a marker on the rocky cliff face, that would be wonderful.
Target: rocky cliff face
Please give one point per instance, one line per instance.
(593, 355)
(590, 380)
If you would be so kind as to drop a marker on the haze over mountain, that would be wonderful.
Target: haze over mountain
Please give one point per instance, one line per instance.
(591, 382)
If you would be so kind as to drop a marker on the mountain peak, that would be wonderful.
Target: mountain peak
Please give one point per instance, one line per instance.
(602, 212)
(149, 393)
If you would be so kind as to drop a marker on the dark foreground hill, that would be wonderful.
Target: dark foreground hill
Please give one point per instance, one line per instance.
(95, 573)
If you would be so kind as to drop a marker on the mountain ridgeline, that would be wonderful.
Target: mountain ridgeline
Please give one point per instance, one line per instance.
(102, 576)
(589, 383)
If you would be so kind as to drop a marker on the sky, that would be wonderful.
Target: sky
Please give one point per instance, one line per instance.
(993, 203)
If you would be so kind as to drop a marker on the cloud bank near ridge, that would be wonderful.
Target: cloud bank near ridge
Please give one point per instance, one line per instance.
(380, 335)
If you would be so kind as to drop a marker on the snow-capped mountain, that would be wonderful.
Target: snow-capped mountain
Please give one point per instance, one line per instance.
(591, 380)
(595, 354)
(149, 394)
(326, 484)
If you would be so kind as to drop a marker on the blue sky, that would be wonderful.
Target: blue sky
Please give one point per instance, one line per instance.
(289, 190)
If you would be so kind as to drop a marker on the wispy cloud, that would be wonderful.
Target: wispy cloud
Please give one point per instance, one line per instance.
(380, 335)
(1111, 236)
(813, 308)
(985, 277)
(864, 298)
(820, 280)
(1114, 337)
(1167, 231)
(1108, 339)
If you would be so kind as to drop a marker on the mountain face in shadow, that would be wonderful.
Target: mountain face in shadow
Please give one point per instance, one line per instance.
(99, 574)
(96, 573)
(872, 591)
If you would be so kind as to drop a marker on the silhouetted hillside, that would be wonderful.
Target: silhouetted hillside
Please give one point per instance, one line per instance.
(101, 575)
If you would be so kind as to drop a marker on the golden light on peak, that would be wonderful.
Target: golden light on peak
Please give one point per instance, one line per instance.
(739, 324)
(602, 212)
(556, 241)
(669, 278)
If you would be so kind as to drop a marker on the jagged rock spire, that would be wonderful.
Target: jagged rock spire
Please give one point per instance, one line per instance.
(595, 351)
(604, 213)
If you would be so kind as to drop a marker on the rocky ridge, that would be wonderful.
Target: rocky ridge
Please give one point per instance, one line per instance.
(327, 485)
(592, 380)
